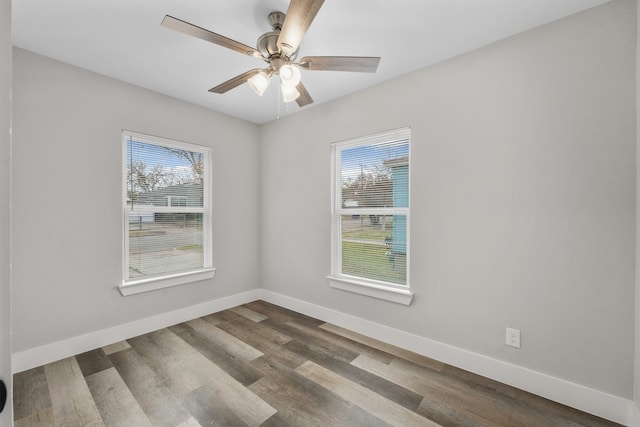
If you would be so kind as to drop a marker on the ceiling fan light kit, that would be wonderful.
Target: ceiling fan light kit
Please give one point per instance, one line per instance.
(279, 48)
(260, 82)
(289, 93)
(290, 75)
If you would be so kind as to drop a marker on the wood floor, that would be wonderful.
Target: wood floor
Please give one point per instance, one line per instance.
(262, 365)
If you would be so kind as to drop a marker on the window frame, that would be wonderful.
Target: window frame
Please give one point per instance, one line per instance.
(131, 286)
(398, 293)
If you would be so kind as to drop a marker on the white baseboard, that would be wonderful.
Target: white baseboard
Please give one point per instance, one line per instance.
(586, 399)
(47, 353)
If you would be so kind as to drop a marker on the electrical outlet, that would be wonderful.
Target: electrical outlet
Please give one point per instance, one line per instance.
(513, 337)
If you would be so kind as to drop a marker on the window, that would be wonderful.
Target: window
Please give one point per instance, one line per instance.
(167, 213)
(176, 201)
(370, 221)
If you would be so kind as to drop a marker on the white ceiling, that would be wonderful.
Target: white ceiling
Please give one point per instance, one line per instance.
(124, 39)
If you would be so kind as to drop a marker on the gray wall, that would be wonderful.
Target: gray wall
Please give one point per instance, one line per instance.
(523, 198)
(636, 394)
(67, 199)
(6, 417)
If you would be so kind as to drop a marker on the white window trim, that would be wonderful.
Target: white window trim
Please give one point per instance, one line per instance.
(400, 294)
(147, 284)
(135, 286)
(369, 288)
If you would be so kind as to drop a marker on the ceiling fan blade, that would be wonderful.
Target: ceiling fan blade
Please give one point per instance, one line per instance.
(362, 64)
(304, 98)
(195, 31)
(299, 16)
(235, 82)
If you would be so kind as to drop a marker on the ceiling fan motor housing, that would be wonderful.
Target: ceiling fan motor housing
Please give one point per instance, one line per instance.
(267, 43)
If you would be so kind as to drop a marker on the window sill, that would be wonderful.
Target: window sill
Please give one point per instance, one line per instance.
(133, 287)
(400, 296)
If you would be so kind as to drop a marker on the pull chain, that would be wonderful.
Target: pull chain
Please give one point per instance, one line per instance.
(278, 102)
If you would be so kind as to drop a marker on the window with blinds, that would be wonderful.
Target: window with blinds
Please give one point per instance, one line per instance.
(166, 208)
(371, 208)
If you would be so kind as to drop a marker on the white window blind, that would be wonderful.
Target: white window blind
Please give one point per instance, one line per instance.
(166, 207)
(371, 208)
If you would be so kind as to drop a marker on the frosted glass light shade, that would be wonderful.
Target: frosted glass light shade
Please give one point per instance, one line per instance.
(289, 93)
(289, 75)
(259, 83)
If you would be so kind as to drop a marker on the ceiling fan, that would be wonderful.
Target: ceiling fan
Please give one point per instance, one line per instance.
(279, 48)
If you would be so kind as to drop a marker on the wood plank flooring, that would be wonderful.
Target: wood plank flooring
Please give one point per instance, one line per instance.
(263, 365)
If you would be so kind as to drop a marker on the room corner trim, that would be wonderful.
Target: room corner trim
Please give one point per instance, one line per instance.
(586, 399)
(47, 353)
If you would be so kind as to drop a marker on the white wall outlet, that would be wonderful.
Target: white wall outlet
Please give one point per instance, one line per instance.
(513, 337)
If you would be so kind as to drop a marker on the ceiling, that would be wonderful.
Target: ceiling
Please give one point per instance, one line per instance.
(123, 39)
